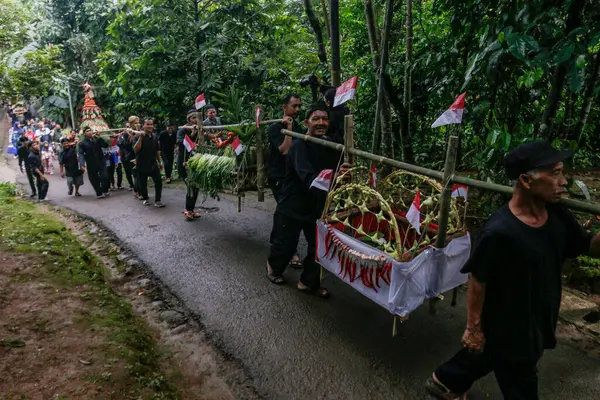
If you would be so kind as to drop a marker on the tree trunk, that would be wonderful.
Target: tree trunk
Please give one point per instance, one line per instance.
(198, 43)
(314, 22)
(374, 45)
(334, 13)
(326, 18)
(407, 69)
(557, 80)
(588, 100)
(385, 39)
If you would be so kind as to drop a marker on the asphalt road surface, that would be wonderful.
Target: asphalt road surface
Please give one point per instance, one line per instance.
(295, 346)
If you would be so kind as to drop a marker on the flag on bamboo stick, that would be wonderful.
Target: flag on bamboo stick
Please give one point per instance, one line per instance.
(237, 146)
(257, 114)
(188, 143)
(373, 176)
(414, 213)
(345, 92)
(323, 180)
(200, 101)
(460, 190)
(452, 115)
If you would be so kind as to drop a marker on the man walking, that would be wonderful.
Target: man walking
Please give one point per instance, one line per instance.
(148, 163)
(125, 143)
(515, 280)
(23, 153)
(167, 140)
(183, 155)
(69, 165)
(92, 158)
(35, 163)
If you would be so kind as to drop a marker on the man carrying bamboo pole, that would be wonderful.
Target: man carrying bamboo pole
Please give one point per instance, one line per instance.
(191, 194)
(515, 284)
(92, 159)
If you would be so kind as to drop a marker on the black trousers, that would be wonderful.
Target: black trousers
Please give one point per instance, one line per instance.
(111, 174)
(128, 167)
(191, 196)
(276, 186)
(182, 156)
(517, 380)
(284, 239)
(99, 180)
(31, 181)
(143, 183)
(42, 187)
(168, 158)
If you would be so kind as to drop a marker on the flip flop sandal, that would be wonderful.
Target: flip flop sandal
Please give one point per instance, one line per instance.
(441, 392)
(188, 216)
(296, 263)
(277, 280)
(321, 292)
(197, 215)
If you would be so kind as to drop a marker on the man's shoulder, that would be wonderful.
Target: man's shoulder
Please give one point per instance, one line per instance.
(499, 223)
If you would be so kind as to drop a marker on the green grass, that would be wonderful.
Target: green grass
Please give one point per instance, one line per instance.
(63, 260)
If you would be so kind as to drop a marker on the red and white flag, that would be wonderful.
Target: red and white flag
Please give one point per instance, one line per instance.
(237, 146)
(345, 92)
(323, 180)
(460, 190)
(454, 114)
(414, 213)
(257, 113)
(200, 101)
(373, 176)
(188, 143)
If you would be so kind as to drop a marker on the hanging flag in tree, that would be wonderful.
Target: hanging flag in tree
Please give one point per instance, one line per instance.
(414, 213)
(345, 92)
(460, 190)
(373, 176)
(188, 143)
(454, 114)
(323, 180)
(200, 101)
(257, 113)
(237, 146)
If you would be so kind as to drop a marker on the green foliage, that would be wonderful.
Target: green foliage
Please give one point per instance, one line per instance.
(589, 267)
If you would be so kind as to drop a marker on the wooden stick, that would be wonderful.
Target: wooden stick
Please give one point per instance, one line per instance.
(348, 138)
(240, 125)
(260, 159)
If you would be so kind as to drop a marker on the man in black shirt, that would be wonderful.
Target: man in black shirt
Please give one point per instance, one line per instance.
(69, 165)
(148, 163)
(183, 155)
(167, 140)
(515, 279)
(92, 159)
(125, 143)
(301, 205)
(23, 154)
(336, 115)
(35, 163)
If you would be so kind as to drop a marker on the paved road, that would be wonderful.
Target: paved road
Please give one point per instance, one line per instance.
(291, 345)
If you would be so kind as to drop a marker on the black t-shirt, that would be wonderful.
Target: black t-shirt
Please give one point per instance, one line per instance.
(91, 152)
(125, 147)
(35, 161)
(304, 162)
(145, 159)
(521, 267)
(68, 158)
(276, 168)
(167, 141)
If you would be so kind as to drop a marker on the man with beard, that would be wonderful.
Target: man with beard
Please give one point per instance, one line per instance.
(167, 140)
(148, 163)
(23, 153)
(301, 205)
(35, 163)
(279, 146)
(92, 159)
(515, 271)
(69, 165)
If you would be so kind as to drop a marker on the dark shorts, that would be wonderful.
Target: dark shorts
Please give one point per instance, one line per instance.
(75, 180)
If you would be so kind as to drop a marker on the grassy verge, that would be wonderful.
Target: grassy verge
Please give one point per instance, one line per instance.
(130, 364)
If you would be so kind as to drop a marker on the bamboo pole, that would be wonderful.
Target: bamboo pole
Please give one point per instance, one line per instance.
(223, 127)
(260, 158)
(199, 124)
(348, 138)
(493, 187)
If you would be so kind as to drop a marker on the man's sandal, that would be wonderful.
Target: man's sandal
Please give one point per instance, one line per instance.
(275, 279)
(440, 391)
(321, 292)
(296, 263)
(188, 216)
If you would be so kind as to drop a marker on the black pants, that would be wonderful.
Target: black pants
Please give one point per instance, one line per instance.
(517, 380)
(111, 174)
(31, 181)
(284, 239)
(143, 183)
(167, 157)
(42, 187)
(128, 167)
(191, 196)
(182, 156)
(276, 186)
(99, 180)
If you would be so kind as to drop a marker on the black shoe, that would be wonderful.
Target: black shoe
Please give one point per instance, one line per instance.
(33, 195)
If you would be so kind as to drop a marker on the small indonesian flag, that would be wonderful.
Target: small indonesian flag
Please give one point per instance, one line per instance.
(188, 143)
(454, 114)
(460, 191)
(237, 146)
(200, 101)
(414, 213)
(257, 113)
(373, 176)
(323, 180)
(345, 92)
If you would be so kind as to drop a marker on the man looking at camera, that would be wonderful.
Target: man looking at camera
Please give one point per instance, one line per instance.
(148, 163)
(515, 279)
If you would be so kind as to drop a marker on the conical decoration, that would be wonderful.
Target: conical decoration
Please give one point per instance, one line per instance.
(91, 115)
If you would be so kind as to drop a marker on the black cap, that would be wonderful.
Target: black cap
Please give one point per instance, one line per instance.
(532, 155)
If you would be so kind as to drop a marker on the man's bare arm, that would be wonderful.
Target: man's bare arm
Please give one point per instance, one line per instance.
(138, 145)
(285, 146)
(473, 338)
